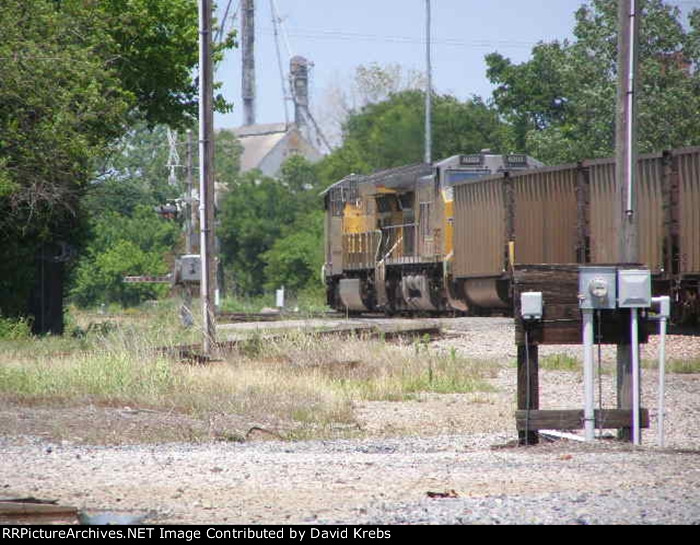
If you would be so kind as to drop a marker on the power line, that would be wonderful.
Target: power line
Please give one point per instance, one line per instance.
(277, 21)
(340, 35)
(222, 29)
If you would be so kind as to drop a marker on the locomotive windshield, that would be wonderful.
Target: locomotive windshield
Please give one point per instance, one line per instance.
(454, 176)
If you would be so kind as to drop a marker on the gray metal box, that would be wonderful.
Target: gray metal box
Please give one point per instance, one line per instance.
(189, 268)
(531, 305)
(597, 288)
(634, 288)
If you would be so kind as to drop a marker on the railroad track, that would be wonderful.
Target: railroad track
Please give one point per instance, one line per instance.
(191, 353)
(241, 317)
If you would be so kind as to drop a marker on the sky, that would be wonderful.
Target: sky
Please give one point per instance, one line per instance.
(339, 35)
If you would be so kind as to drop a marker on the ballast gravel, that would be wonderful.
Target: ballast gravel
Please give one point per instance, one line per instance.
(436, 460)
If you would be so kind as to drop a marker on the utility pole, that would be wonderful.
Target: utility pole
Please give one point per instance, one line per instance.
(626, 171)
(248, 60)
(190, 212)
(429, 88)
(206, 175)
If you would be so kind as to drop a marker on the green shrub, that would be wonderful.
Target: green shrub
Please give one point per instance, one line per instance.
(14, 329)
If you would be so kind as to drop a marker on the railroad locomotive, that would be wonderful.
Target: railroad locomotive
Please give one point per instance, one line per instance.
(389, 240)
(447, 236)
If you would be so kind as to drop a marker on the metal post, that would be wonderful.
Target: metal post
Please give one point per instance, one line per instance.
(528, 395)
(665, 304)
(206, 177)
(634, 326)
(588, 376)
(429, 88)
(626, 161)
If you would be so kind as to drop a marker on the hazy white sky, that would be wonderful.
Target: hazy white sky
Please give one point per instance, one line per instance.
(338, 35)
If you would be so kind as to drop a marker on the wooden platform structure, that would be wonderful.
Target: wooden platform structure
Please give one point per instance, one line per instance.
(561, 323)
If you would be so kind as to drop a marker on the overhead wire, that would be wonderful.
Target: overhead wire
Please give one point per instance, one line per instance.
(285, 96)
(221, 32)
(350, 35)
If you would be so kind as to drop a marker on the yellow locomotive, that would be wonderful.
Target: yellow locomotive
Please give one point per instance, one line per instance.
(389, 235)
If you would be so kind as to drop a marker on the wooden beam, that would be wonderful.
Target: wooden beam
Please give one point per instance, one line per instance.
(22, 512)
(528, 389)
(573, 419)
(561, 319)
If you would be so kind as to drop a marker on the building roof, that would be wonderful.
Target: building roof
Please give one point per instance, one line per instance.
(258, 141)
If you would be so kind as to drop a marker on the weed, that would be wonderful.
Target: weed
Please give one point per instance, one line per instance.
(15, 329)
(683, 366)
(307, 383)
(559, 362)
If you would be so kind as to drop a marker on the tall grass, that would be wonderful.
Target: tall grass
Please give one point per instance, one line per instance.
(309, 382)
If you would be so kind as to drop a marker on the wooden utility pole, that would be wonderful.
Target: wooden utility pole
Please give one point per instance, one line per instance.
(206, 175)
(626, 171)
(190, 213)
(429, 87)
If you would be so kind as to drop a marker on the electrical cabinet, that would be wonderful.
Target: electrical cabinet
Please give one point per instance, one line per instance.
(188, 269)
(531, 305)
(597, 288)
(634, 288)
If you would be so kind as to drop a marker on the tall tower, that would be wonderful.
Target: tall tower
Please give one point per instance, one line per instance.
(299, 79)
(248, 64)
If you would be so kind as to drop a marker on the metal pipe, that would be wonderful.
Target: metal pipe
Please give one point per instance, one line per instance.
(636, 434)
(662, 377)
(664, 303)
(190, 212)
(588, 378)
(631, 75)
(429, 88)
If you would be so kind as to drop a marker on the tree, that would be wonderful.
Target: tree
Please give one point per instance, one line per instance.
(59, 107)
(134, 173)
(560, 104)
(270, 231)
(124, 245)
(253, 214)
(295, 259)
(391, 133)
(75, 74)
(370, 84)
(227, 157)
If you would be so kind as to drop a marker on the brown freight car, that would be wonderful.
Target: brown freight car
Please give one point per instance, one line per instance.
(566, 214)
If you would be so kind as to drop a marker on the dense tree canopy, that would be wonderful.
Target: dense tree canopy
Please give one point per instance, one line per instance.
(268, 228)
(560, 104)
(74, 76)
(123, 245)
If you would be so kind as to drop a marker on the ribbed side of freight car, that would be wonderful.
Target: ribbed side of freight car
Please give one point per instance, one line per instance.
(687, 171)
(603, 206)
(480, 228)
(568, 214)
(545, 215)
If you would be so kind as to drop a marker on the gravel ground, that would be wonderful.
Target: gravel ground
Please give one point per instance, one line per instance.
(443, 459)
